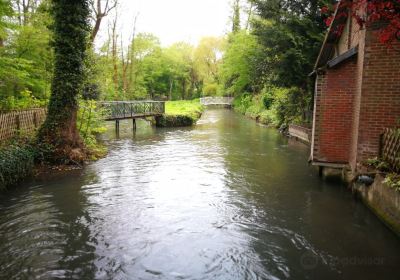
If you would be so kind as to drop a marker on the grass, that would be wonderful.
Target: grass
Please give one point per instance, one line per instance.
(191, 108)
(180, 113)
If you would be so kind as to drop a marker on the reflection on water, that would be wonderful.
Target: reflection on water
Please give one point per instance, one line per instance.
(225, 200)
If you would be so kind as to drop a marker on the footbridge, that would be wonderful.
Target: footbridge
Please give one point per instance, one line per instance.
(123, 110)
(209, 101)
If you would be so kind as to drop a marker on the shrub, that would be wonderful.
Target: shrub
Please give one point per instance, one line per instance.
(393, 181)
(268, 117)
(16, 163)
(210, 90)
(242, 103)
(90, 125)
(253, 111)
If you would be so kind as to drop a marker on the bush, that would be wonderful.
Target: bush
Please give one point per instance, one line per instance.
(175, 121)
(16, 163)
(242, 103)
(268, 117)
(25, 100)
(253, 111)
(291, 105)
(277, 106)
(210, 90)
(91, 124)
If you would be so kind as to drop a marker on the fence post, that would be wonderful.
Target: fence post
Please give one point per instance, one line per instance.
(35, 119)
(381, 144)
(17, 124)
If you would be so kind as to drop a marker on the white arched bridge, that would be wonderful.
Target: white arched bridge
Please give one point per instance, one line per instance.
(217, 100)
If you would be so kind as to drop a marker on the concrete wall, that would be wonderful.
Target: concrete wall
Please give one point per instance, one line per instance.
(300, 132)
(383, 201)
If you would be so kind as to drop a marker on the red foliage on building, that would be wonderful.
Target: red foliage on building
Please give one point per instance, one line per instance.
(383, 13)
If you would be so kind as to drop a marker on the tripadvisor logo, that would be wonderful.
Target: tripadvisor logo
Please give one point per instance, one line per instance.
(309, 261)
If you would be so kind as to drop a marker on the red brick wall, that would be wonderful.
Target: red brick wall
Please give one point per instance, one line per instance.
(334, 113)
(357, 101)
(380, 95)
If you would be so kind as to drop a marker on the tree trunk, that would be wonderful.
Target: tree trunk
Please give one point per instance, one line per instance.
(59, 135)
(100, 14)
(96, 28)
(124, 68)
(250, 14)
(19, 12)
(171, 86)
(131, 55)
(114, 57)
(183, 89)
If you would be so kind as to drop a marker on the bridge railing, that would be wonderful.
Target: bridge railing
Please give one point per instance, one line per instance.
(217, 100)
(116, 110)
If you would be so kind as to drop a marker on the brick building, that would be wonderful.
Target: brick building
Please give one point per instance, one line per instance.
(357, 94)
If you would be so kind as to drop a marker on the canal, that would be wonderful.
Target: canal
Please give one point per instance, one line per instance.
(228, 199)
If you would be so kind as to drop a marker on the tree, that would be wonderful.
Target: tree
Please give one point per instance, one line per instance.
(59, 131)
(98, 13)
(208, 57)
(236, 16)
(26, 58)
(25, 8)
(5, 12)
(239, 70)
(291, 33)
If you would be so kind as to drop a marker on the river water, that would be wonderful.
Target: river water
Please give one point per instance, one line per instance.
(228, 199)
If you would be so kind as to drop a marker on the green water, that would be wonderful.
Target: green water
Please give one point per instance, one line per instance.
(227, 199)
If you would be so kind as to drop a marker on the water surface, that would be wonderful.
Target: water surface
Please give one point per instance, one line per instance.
(227, 199)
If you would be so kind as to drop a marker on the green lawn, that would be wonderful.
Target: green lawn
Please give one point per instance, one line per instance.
(180, 113)
(191, 108)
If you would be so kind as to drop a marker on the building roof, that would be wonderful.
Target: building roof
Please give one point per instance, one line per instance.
(332, 37)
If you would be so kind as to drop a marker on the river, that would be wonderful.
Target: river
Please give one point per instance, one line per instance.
(227, 199)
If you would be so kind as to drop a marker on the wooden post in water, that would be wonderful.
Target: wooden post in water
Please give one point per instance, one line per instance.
(134, 124)
(117, 127)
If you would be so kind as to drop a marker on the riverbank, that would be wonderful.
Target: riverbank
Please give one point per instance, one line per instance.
(17, 162)
(257, 108)
(180, 113)
(21, 159)
(382, 199)
(189, 196)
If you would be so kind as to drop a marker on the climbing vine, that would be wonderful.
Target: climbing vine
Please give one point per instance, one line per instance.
(71, 31)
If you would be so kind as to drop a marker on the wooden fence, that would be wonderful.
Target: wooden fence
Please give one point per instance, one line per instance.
(300, 132)
(19, 122)
(391, 148)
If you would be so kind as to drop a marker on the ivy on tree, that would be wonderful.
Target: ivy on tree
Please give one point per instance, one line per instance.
(59, 131)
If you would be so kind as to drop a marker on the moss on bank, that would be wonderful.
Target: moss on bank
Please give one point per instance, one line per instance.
(180, 113)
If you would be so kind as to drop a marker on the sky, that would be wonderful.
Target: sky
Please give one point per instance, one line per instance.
(172, 20)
